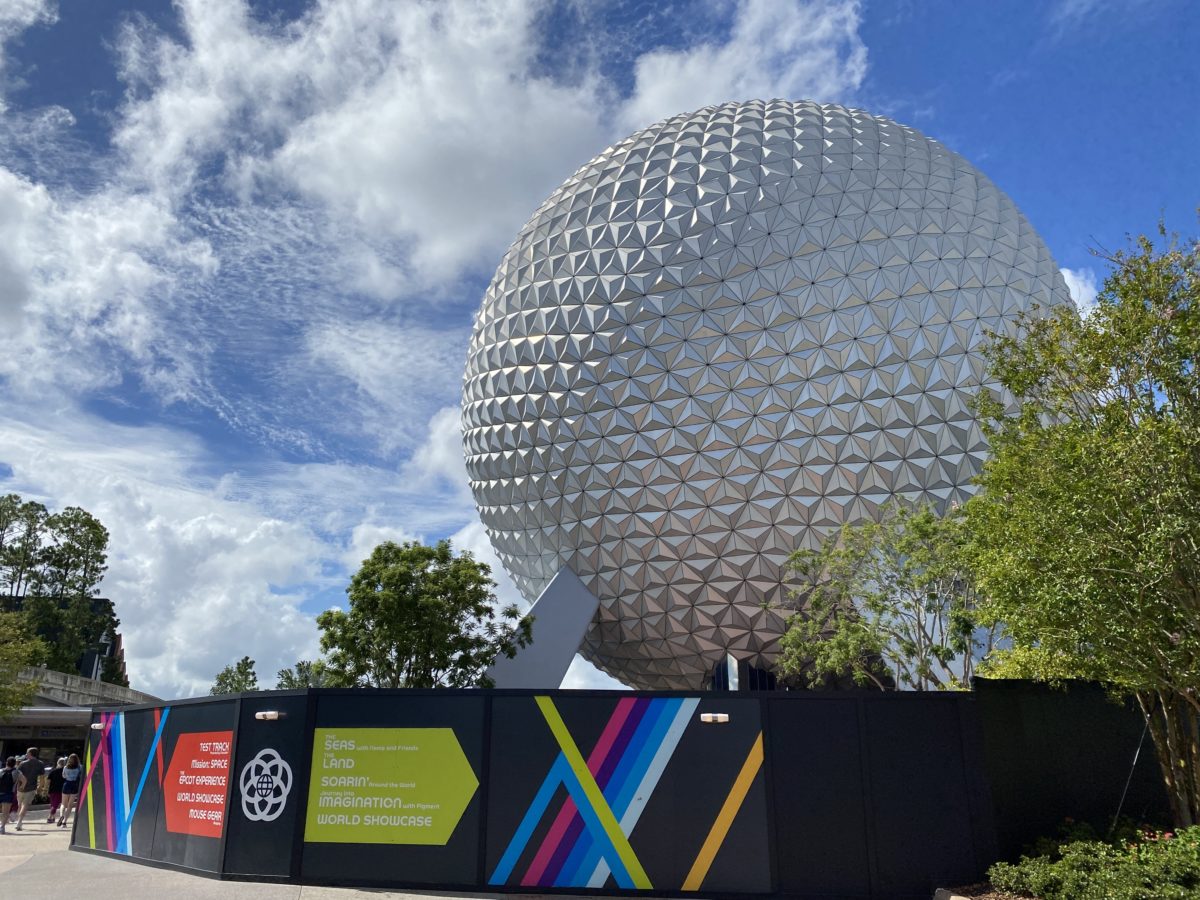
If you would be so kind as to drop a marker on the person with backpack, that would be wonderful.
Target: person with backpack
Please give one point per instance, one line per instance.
(11, 781)
(72, 780)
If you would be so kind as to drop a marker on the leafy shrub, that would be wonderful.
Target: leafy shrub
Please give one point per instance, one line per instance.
(1155, 866)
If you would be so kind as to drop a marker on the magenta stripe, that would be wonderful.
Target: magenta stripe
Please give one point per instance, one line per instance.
(555, 835)
(578, 838)
(110, 774)
(615, 755)
(87, 780)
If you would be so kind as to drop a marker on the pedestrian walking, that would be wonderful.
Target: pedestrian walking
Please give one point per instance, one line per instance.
(72, 780)
(31, 767)
(10, 783)
(54, 782)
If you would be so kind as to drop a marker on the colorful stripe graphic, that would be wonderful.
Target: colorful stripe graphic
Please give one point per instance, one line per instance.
(729, 811)
(111, 758)
(127, 825)
(90, 767)
(109, 774)
(589, 837)
(121, 777)
(596, 806)
(162, 772)
(566, 815)
(91, 812)
(632, 810)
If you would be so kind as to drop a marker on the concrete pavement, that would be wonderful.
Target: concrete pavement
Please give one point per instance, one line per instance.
(36, 862)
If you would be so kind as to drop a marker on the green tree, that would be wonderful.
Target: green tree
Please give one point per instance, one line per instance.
(236, 678)
(50, 568)
(889, 602)
(22, 525)
(19, 648)
(1086, 539)
(420, 617)
(304, 674)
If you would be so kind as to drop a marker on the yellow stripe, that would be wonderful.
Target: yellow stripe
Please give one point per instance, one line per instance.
(87, 767)
(729, 811)
(595, 796)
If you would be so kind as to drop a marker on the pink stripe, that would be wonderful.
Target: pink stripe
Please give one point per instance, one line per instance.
(87, 780)
(555, 835)
(110, 773)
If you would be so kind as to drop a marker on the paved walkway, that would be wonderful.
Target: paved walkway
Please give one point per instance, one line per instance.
(36, 862)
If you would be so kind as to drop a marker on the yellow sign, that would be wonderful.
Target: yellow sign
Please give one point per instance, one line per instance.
(387, 786)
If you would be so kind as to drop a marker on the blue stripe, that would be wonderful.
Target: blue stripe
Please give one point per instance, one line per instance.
(533, 815)
(118, 775)
(594, 825)
(646, 757)
(127, 825)
(620, 788)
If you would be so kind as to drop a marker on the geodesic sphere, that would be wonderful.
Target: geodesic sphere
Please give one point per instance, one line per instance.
(719, 340)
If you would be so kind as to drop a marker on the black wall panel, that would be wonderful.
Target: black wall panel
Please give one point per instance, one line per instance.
(919, 795)
(453, 719)
(690, 794)
(1049, 753)
(268, 787)
(800, 795)
(821, 832)
(194, 736)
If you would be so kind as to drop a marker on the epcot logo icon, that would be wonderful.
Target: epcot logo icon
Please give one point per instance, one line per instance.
(266, 782)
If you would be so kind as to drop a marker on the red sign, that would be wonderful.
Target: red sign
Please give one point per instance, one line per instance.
(197, 783)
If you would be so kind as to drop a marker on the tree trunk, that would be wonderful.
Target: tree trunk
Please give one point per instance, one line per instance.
(1175, 728)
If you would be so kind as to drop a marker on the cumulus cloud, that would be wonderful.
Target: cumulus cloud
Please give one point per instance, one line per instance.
(286, 232)
(1084, 286)
(198, 580)
(439, 460)
(367, 536)
(792, 50)
(297, 183)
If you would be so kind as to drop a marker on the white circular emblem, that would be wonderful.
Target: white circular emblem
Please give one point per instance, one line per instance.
(265, 781)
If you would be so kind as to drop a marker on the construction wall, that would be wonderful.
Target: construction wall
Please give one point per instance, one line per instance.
(773, 794)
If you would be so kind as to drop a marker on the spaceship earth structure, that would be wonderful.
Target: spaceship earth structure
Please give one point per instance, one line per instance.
(718, 341)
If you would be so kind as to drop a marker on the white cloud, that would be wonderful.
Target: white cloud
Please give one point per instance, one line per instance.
(793, 50)
(1084, 286)
(16, 16)
(401, 374)
(439, 460)
(298, 183)
(583, 676)
(446, 142)
(369, 535)
(77, 277)
(1066, 18)
(205, 569)
(290, 234)
(198, 580)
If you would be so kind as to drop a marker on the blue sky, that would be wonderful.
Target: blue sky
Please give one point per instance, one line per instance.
(241, 244)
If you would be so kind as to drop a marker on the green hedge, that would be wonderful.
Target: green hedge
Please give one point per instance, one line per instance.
(1153, 865)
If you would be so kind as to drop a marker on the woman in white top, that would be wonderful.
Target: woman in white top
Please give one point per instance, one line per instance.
(72, 781)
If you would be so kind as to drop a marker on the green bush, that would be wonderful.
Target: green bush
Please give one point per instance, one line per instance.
(1154, 866)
